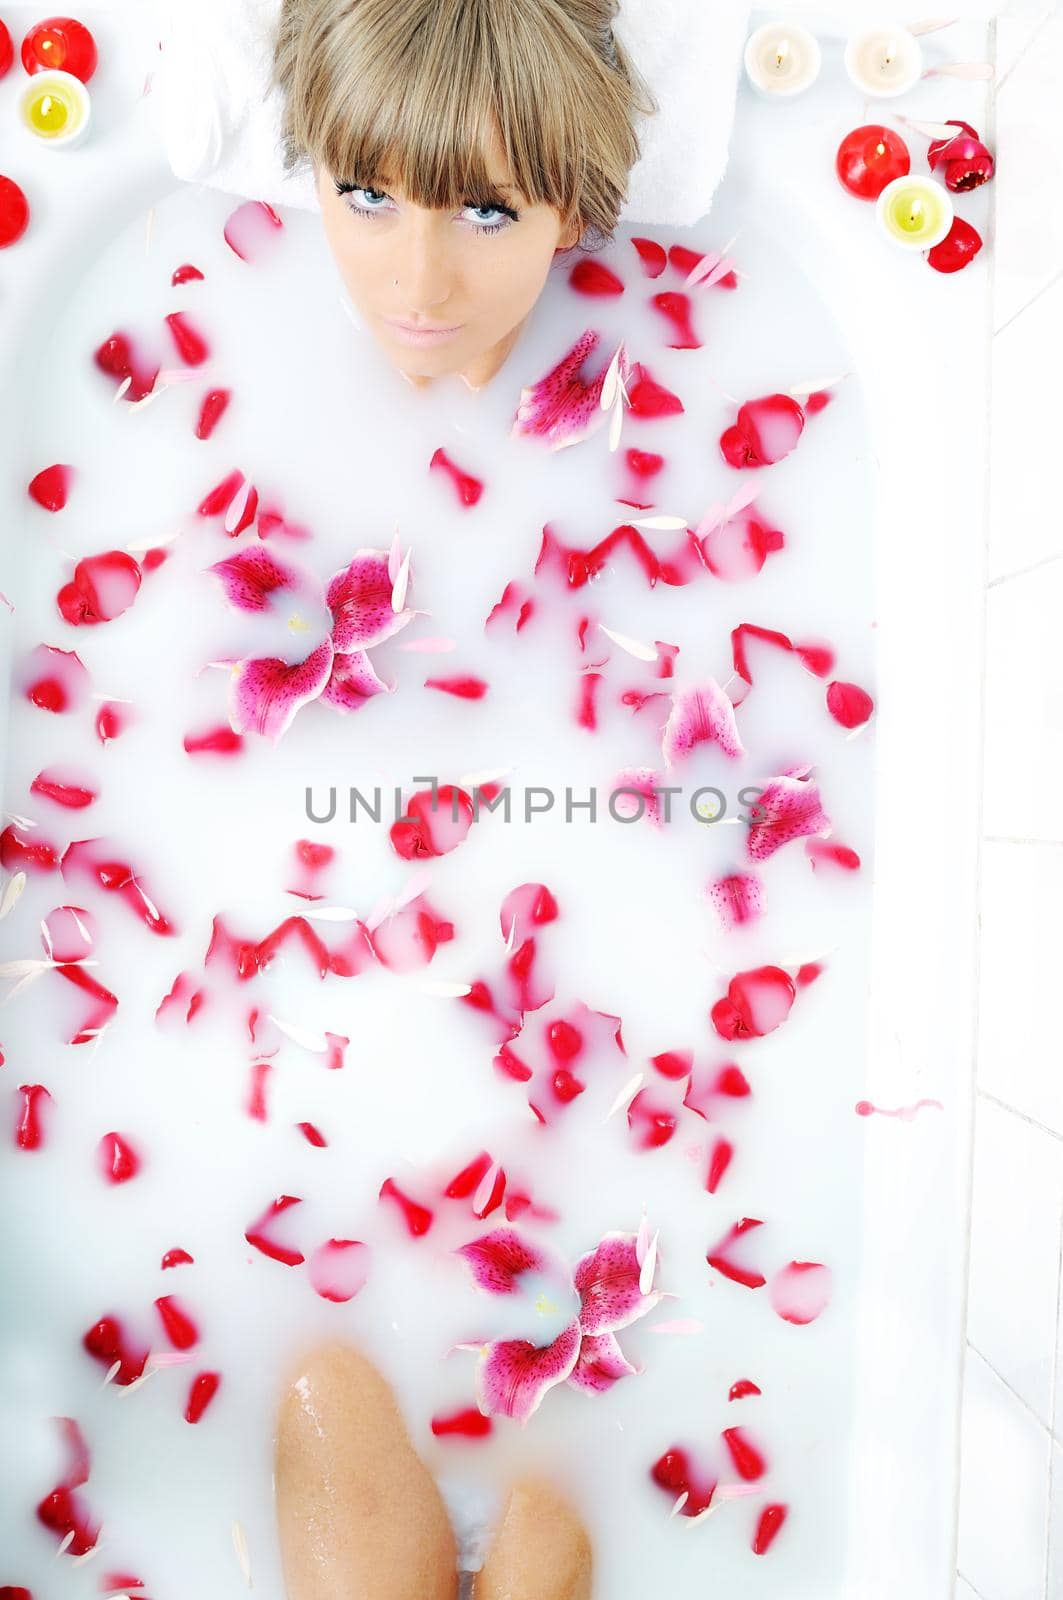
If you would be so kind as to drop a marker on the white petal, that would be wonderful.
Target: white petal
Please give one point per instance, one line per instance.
(12, 891)
(634, 647)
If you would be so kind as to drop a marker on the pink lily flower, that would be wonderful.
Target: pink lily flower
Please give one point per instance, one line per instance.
(513, 1375)
(366, 604)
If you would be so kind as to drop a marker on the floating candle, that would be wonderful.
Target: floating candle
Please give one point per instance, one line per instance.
(55, 107)
(14, 212)
(60, 44)
(914, 212)
(782, 58)
(884, 61)
(869, 158)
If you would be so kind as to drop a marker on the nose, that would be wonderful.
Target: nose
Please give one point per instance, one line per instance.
(423, 269)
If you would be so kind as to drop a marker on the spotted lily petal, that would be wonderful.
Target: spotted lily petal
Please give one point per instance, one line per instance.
(359, 598)
(788, 808)
(251, 577)
(608, 1284)
(514, 1375)
(352, 681)
(562, 406)
(499, 1258)
(264, 695)
(600, 1364)
(701, 715)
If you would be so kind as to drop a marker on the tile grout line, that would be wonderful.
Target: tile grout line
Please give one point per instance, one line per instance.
(1039, 28)
(1051, 283)
(1022, 572)
(1015, 1395)
(990, 355)
(1018, 838)
(976, 1592)
(1023, 1116)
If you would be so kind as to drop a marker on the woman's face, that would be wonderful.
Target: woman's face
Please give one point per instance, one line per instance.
(475, 270)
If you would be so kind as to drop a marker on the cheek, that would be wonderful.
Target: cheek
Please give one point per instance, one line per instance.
(517, 280)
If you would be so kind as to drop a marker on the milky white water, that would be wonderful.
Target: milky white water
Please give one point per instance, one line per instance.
(330, 433)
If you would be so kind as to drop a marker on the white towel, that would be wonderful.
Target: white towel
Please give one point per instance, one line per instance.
(220, 126)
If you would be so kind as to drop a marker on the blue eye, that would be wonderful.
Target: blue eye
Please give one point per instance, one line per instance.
(373, 204)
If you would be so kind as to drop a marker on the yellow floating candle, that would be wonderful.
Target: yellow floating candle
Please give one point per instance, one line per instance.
(55, 108)
(914, 212)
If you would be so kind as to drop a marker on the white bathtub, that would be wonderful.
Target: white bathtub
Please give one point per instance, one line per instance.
(919, 343)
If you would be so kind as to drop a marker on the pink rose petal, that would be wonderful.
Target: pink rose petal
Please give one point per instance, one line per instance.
(250, 230)
(339, 1269)
(801, 1291)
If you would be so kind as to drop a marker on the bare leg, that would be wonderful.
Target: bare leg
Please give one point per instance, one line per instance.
(358, 1513)
(541, 1550)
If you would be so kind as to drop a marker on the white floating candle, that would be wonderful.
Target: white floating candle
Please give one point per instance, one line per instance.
(884, 62)
(55, 107)
(782, 58)
(914, 212)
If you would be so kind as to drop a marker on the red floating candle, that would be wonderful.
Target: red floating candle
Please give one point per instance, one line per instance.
(7, 50)
(869, 158)
(60, 44)
(14, 212)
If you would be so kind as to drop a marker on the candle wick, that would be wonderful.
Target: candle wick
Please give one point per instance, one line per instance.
(782, 50)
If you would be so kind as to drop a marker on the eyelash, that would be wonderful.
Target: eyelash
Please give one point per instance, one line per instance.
(478, 227)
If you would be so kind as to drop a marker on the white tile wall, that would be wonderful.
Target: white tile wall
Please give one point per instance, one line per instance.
(1010, 1534)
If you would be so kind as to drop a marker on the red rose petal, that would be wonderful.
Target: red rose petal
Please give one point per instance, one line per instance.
(468, 489)
(204, 1388)
(211, 411)
(51, 487)
(189, 342)
(594, 278)
(653, 256)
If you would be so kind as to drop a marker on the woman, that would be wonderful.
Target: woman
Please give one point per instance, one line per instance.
(458, 147)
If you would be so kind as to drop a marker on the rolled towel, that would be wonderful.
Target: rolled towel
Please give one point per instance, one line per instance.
(220, 119)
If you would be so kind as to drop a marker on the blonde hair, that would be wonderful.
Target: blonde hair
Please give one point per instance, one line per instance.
(414, 89)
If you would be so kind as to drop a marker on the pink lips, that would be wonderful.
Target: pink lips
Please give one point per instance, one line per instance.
(422, 335)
